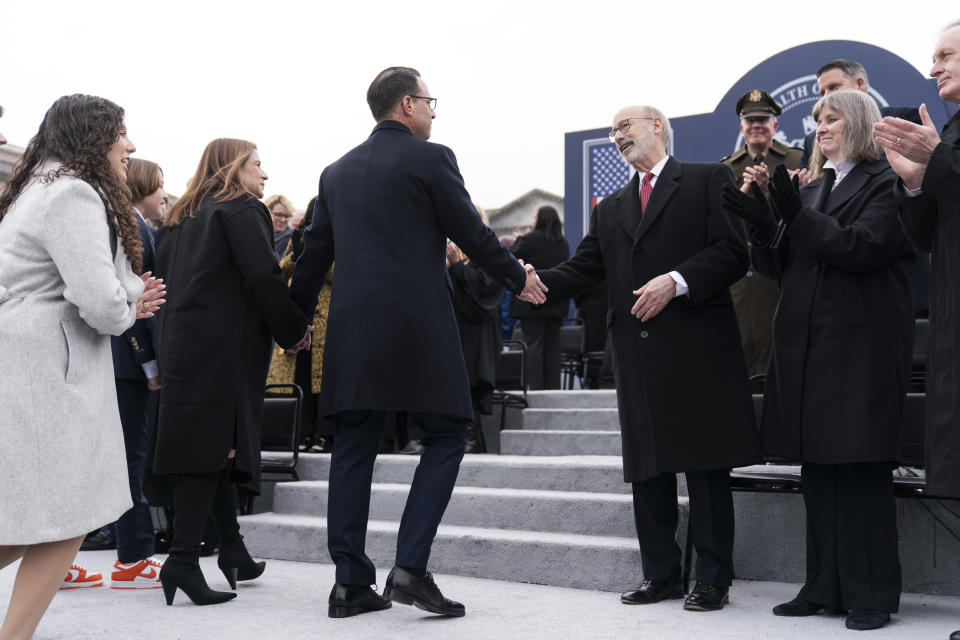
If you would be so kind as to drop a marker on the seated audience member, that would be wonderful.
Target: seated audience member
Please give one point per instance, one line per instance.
(842, 347)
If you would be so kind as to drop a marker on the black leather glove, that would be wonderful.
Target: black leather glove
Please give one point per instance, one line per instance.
(753, 208)
(786, 194)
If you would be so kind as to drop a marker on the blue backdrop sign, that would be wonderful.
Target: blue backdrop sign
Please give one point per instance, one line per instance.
(594, 168)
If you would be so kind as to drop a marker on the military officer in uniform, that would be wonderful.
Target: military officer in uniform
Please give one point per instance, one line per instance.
(755, 296)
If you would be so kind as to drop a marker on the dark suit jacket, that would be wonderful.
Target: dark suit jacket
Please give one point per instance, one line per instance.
(384, 212)
(134, 346)
(226, 303)
(536, 249)
(681, 377)
(843, 332)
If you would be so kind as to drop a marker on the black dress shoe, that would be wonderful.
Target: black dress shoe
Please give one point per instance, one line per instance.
(955, 635)
(651, 591)
(866, 619)
(349, 600)
(101, 540)
(422, 592)
(706, 597)
(797, 607)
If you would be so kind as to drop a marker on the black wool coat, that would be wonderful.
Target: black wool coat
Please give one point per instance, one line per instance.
(681, 378)
(932, 220)
(226, 301)
(536, 249)
(384, 212)
(843, 330)
(476, 305)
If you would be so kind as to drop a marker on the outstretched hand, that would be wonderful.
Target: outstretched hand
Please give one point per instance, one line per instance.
(152, 297)
(753, 208)
(785, 192)
(534, 291)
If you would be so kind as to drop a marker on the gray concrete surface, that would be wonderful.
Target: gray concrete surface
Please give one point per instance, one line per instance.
(549, 442)
(605, 419)
(289, 603)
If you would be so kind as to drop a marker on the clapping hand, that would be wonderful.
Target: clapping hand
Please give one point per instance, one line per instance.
(152, 297)
(759, 175)
(305, 343)
(785, 192)
(533, 290)
(753, 208)
(909, 146)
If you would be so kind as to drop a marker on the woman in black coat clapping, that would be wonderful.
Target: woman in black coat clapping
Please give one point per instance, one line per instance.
(842, 340)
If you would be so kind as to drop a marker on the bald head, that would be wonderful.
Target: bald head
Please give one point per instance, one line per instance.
(641, 134)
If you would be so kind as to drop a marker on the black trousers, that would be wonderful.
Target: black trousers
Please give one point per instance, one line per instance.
(197, 497)
(351, 473)
(711, 521)
(852, 555)
(134, 529)
(542, 336)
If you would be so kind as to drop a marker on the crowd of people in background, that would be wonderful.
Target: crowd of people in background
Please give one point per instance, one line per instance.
(790, 270)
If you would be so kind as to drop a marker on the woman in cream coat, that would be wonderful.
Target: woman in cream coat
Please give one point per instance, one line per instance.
(67, 241)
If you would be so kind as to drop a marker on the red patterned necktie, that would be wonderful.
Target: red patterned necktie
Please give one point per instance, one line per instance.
(645, 190)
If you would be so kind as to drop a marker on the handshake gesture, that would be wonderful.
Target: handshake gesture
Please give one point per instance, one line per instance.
(534, 291)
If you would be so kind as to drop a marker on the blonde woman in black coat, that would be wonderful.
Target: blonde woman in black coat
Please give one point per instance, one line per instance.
(213, 347)
(842, 341)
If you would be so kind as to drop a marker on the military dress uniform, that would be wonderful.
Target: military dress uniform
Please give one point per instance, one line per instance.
(755, 296)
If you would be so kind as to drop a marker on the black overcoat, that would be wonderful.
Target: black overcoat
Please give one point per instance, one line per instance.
(476, 305)
(543, 253)
(384, 212)
(933, 222)
(226, 299)
(681, 378)
(843, 330)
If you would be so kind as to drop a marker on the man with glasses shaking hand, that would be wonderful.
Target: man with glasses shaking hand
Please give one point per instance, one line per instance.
(669, 254)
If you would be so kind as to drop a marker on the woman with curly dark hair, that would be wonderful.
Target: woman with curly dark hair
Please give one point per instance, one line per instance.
(228, 302)
(67, 242)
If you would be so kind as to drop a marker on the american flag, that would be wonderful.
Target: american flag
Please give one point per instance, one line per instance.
(606, 172)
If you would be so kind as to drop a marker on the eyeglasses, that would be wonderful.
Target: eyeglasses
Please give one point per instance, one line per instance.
(430, 101)
(623, 127)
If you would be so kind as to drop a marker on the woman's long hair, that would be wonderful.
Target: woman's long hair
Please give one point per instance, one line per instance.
(548, 221)
(859, 112)
(78, 131)
(217, 177)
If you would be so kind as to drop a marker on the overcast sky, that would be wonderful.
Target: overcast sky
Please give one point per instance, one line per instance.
(510, 76)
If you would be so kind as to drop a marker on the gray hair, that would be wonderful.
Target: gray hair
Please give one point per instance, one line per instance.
(852, 70)
(653, 112)
(859, 112)
(955, 23)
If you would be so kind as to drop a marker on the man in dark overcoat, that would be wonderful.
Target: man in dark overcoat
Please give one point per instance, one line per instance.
(384, 212)
(928, 164)
(669, 255)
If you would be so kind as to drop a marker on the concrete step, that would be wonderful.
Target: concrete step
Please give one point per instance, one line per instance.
(583, 399)
(590, 473)
(572, 419)
(605, 563)
(605, 514)
(552, 442)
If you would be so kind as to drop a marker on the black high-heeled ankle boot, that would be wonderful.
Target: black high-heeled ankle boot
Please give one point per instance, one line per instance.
(181, 573)
(236, 563)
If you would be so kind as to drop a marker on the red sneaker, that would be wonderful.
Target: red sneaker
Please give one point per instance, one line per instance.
(138, 575)
(79, 578)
